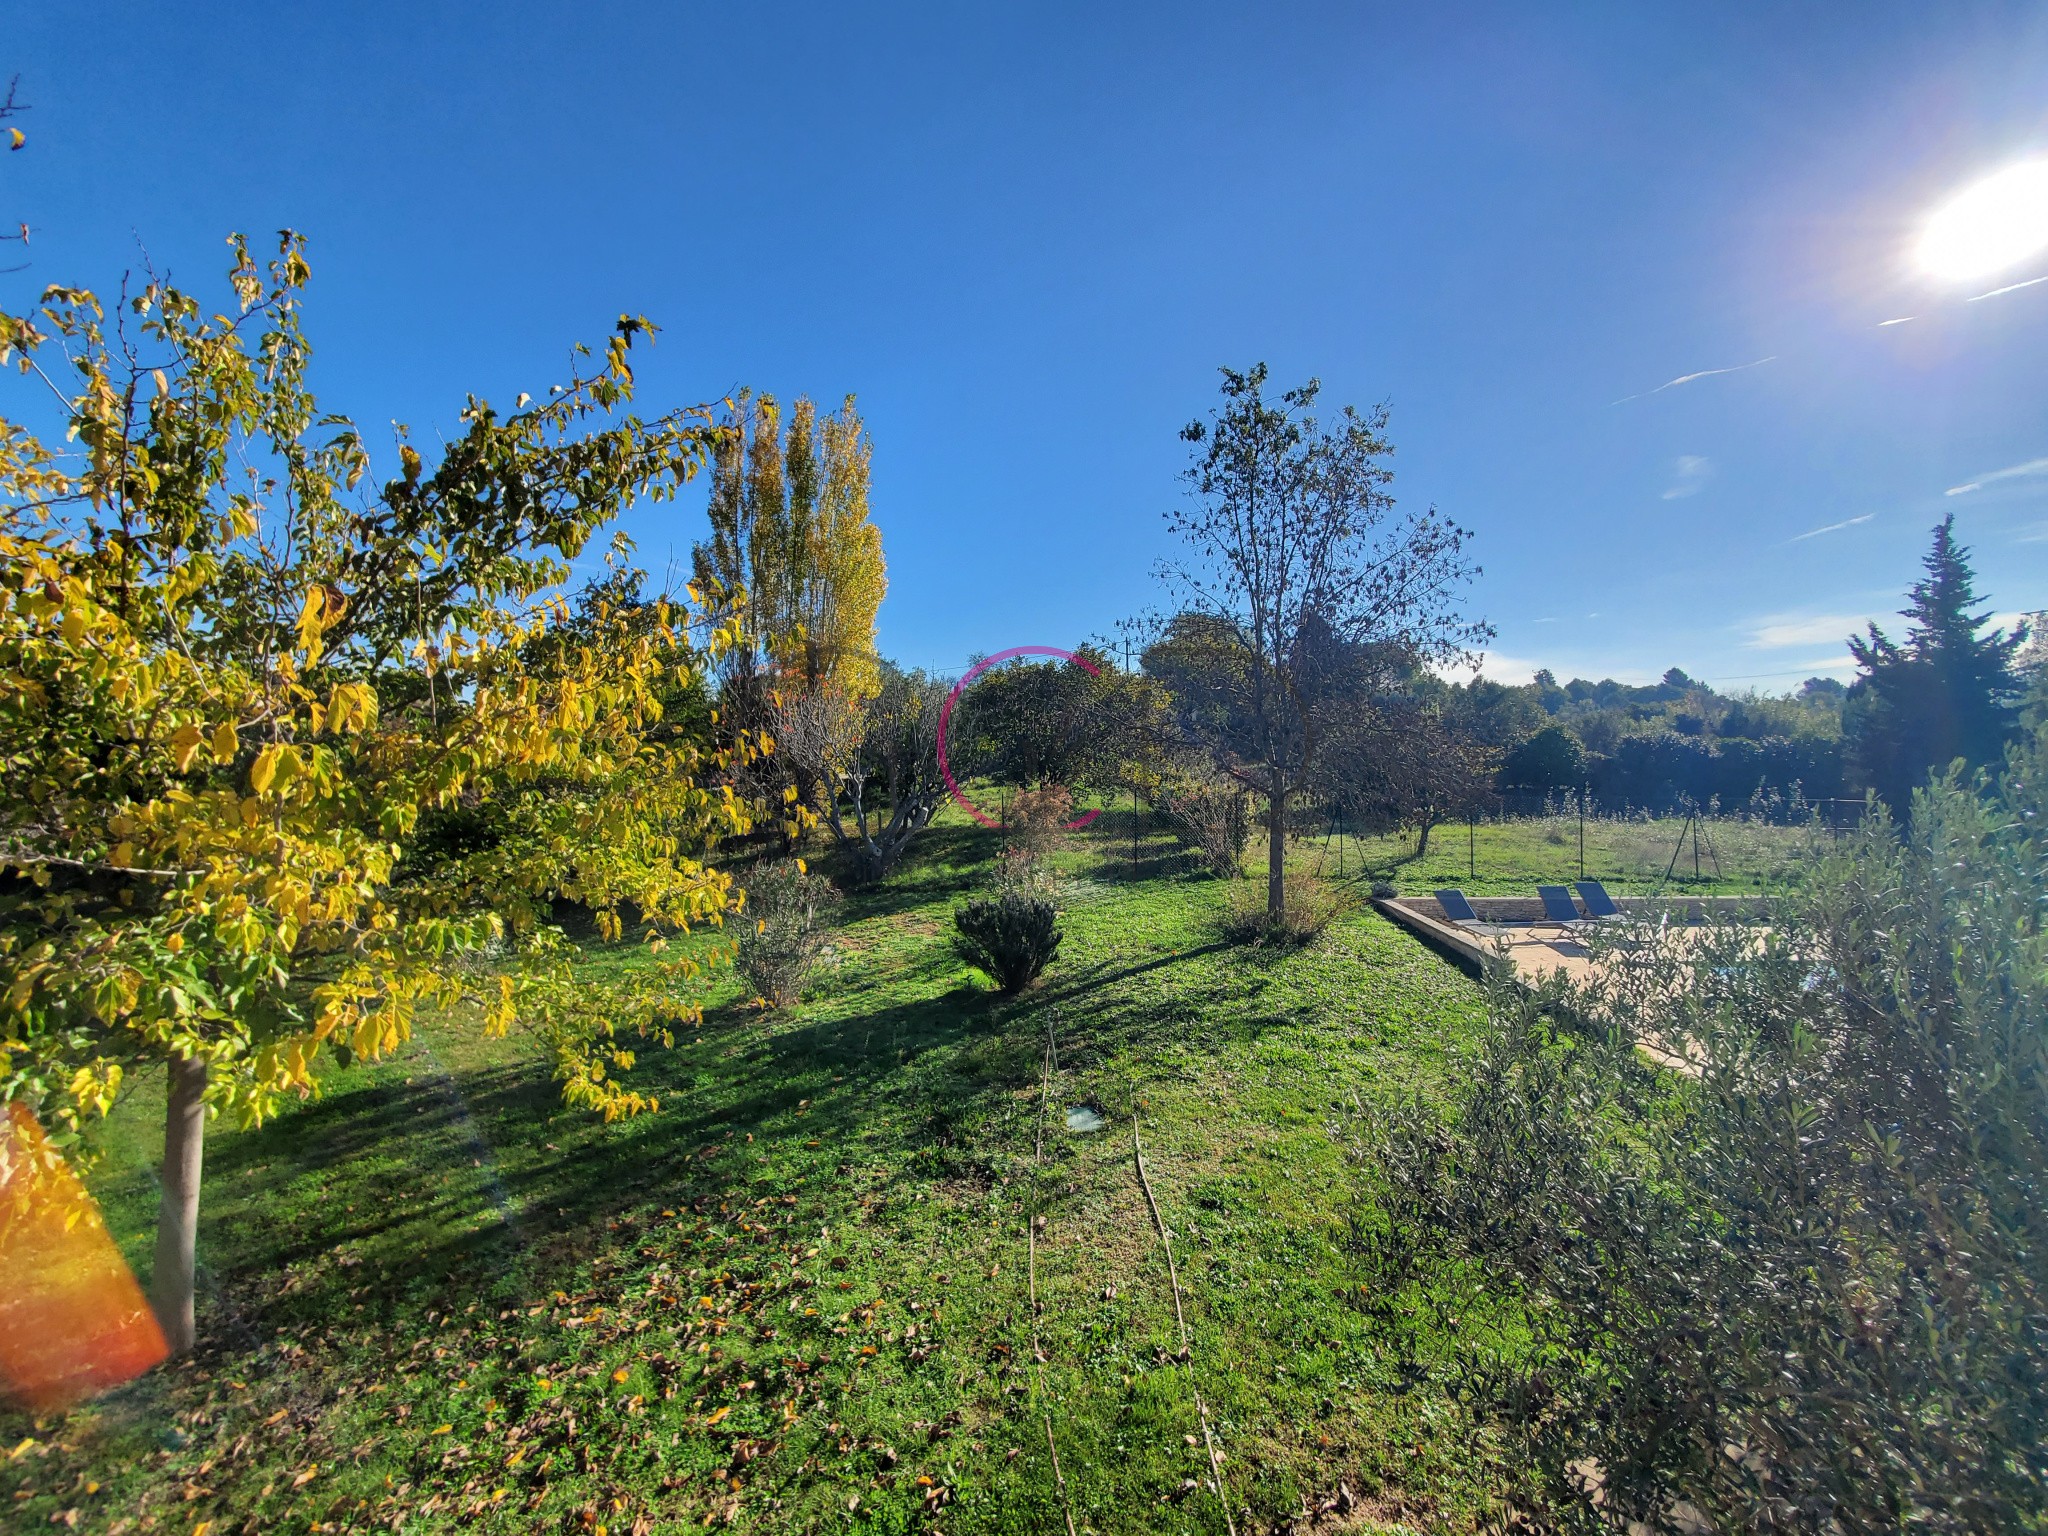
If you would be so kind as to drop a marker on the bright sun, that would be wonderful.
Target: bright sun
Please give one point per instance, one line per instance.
(1988, 226)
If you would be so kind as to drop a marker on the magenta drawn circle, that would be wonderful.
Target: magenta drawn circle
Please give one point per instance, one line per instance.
(946, 718)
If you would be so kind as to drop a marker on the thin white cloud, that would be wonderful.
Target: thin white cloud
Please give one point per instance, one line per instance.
(1543, 621)
(1833, 665)
(1687, 378)
(1902, 320)
(1690, 472)
(2008, 288)
(1827, 666)
(1496, 666)
(1847, 522)
(2026, 471)
(1499, 667)
(1783, 631)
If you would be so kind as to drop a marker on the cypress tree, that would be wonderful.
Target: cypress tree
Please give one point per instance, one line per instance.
(1945, 694)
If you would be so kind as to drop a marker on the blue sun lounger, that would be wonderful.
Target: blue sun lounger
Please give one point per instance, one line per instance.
(1599, 905)
(1459, 911)
(1557, 906)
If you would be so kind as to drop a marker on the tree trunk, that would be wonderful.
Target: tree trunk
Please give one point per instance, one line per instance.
(1422, 841)
(1276, 856)
(177, 1223)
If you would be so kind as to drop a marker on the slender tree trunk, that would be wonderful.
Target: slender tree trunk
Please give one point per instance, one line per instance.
(1422, 842)
(1276, 855)
(177, 1223)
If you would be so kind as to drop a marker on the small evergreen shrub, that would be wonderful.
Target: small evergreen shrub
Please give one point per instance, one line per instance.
(1011, 937)
(782, 930)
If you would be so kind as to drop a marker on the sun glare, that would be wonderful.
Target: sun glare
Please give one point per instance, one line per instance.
(1989, 226)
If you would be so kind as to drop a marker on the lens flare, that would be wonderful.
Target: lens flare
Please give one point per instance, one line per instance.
(1989, 226)
(72, 1319)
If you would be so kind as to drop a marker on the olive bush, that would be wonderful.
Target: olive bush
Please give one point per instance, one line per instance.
(1800, 1283)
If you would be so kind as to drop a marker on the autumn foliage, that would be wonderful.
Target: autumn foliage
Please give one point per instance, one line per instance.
(241, 680)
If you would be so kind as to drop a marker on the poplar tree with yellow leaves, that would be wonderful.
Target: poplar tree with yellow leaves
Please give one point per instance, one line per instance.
(790, 536)
(241, 684)
(797, 564)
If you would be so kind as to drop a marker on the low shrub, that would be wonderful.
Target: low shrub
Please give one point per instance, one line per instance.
(1037, 817)
(1312, 905)
(782, 930)
(1011, 937)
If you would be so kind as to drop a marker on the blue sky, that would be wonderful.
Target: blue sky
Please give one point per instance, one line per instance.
(1026, 238)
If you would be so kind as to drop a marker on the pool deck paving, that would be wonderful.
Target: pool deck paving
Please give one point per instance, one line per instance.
(1515, 933)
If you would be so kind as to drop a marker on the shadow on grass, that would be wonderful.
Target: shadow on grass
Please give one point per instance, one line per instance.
(411, 1185)
(1098, 977)
(446, 1189)
(1152, 865)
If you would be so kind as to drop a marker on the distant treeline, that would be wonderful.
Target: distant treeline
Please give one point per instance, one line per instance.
(1674, 743)
(1778, 776)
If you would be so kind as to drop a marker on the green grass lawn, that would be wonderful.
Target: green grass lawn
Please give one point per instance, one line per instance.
(1632, 857)
(797, 1297)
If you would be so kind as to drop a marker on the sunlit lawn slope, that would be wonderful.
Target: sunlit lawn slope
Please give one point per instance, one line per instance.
(796, 1298)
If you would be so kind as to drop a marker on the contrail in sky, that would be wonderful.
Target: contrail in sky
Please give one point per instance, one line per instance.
(1708, 373)
(1814, 533)
(1704, 373)
(2008, 288)
(2024, 471)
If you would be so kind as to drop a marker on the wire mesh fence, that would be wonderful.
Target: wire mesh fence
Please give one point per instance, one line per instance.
(1558, 837)
(1519, 840)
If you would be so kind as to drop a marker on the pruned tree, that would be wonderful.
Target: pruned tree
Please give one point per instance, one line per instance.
(1295, 547)
(877, 761)
(244, 687)
(1404, 761)
(1082, 724)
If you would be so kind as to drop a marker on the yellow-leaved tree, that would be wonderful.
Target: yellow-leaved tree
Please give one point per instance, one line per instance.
(795, 561)
(790, 530)
(244, 687)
